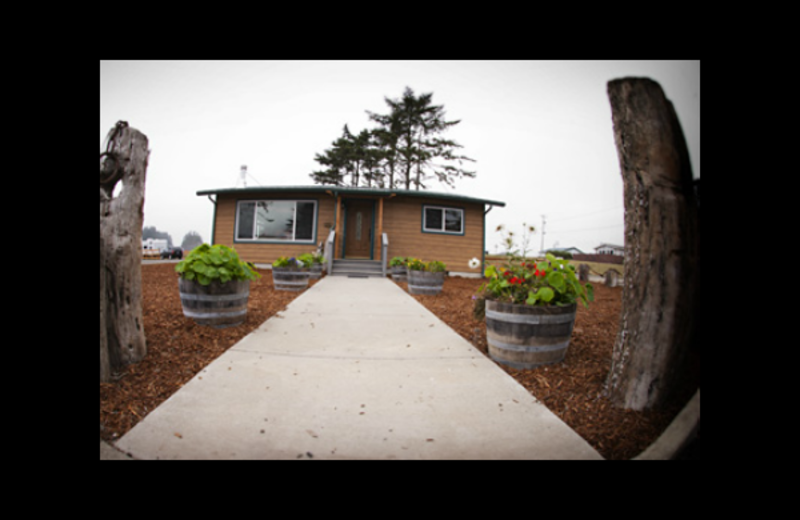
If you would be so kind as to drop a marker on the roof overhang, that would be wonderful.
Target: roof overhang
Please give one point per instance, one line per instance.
(345, 191)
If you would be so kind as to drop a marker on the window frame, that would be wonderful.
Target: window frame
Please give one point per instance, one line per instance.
(293, 240)
(443, 230)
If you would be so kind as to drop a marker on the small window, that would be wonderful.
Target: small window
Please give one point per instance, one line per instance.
(276, 220)
(436, 219)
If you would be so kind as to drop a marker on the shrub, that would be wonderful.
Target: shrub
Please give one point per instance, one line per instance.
(206, 264)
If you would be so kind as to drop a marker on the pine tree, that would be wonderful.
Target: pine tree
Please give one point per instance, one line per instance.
(416, 123)
(402, 152)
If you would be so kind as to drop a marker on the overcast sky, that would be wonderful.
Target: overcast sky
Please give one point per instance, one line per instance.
(540, 131)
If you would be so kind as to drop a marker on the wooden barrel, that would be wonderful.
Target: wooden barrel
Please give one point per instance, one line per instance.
(423, 282)
(217, 305)
(524, 336)
(316, 271)
(399, 273)
(289, 279)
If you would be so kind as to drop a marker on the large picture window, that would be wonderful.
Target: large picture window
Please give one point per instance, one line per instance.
(276, 220)
(437, 219)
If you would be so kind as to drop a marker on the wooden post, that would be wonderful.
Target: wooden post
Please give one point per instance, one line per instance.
(380, 225)
(661, 289)
(122, 339)
(337, 239)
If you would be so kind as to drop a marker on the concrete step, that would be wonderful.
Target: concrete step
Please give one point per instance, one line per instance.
(367, 268)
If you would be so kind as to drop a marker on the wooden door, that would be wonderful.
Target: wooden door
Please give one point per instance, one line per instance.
(358, 229)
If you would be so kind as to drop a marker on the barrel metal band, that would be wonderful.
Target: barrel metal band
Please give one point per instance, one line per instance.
(532, 319)
(214, 298)
(423, 287)
(526, 348)
(207, 315)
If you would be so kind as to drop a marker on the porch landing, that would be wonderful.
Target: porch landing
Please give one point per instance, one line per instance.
(353, 369)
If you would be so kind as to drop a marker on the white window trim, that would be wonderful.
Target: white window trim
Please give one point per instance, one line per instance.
(442, 230)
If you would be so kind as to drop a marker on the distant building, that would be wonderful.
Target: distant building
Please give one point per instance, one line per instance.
(572, 250)
(610, 249)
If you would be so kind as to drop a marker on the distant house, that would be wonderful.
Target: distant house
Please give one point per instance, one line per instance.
(572, 250)
(355, 224)
(610, 249)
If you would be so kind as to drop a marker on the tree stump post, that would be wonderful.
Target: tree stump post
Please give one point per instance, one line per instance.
(583, 273)
(122, 339)
(661, 290)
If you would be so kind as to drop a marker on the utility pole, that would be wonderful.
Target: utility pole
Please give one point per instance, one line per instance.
(541, 250)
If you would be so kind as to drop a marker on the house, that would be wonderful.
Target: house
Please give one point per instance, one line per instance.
(571, 250)
(355, 227)
(610, 249)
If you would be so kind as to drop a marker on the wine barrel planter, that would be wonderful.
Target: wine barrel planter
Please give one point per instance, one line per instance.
(289, 279)
(524, 336)
(316, 271)
(423, 282)
(399, 273)
(218, 304)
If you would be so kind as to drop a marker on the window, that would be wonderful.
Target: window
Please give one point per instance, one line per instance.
(276, 220)
(436, 219)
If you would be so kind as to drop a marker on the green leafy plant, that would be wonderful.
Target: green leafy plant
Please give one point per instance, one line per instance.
(435, 266)
(548, 282)
(551, 281)
(301, 262)
(397, 261)
(207, 263)
(415, 264)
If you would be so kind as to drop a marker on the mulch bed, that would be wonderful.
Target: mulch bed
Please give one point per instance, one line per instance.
(178, 349)
(573, 389)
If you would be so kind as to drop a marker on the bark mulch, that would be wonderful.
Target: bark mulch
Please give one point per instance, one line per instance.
(178, 349)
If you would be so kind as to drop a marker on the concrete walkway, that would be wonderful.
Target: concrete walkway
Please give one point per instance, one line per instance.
(353, 369)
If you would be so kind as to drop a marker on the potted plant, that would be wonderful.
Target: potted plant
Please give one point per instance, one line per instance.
(214, 285)
(315, 261)
(398, 266)
(290, 274)
(530, 310)
(425, 277)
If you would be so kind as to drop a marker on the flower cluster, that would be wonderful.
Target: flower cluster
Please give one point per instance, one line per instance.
(548, 282)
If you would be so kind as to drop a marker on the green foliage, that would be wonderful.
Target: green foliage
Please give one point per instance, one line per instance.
(434, 266)
(303, 261)
(397, 261)
(399, 153)
(549, 282)
(206, 264)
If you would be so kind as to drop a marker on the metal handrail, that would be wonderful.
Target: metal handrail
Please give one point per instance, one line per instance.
(329, 250)
(384, 251)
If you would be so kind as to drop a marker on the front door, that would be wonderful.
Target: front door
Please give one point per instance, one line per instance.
(358, 228)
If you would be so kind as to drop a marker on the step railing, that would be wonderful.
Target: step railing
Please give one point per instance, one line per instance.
(384, 251)
(329, 250)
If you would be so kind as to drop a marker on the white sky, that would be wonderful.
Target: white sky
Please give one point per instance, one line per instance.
(540, 132)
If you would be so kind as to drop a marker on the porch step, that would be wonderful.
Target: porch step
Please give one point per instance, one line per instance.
(357, 268)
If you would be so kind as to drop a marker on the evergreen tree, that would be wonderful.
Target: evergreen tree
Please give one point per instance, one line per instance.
(402, 152)
(416, 123)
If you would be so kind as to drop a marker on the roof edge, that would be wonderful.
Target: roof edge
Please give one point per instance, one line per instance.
(352, 191)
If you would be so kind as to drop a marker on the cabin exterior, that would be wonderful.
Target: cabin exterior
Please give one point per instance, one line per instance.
(359, 224)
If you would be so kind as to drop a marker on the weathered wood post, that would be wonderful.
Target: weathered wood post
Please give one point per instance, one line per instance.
(122, 339)
(661, 290)
(583, 273)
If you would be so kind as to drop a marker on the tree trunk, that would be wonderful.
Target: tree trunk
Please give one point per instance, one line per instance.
(122, 339)
(661, 292)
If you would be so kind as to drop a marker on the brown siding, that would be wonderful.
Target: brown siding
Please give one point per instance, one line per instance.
(225, 224)
(402, 222)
